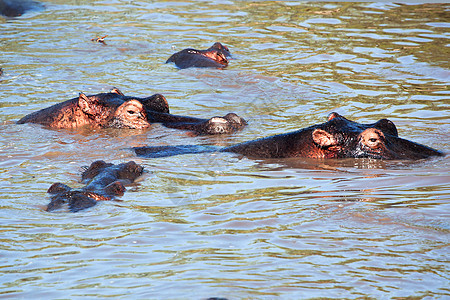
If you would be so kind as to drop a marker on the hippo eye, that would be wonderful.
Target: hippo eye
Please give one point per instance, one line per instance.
(131, 112)
(372, 138)
(372, 141)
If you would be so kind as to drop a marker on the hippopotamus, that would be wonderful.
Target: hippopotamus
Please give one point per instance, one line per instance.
(115, 110)
(15, 8)
(101, 110)
(229, 123)
(339, 137)
(215, 56)
(103, 181)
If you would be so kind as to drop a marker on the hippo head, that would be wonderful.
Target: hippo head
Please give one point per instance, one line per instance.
(130, 114)
(129, 171)
(340, 137)
(109, 110)
(221, 48)
(221, 125)
(218, 53)
(156, 102)
(75, 199)
(217, 56)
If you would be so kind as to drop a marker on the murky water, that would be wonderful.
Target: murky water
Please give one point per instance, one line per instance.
(197, 226)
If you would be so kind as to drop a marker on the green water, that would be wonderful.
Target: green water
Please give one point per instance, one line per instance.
(198, 226)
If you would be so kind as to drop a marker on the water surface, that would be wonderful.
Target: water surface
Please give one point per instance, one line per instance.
(216, 224)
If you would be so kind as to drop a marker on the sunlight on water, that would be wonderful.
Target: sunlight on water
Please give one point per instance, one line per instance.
(216, 224)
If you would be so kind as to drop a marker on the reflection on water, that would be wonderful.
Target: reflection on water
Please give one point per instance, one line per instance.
(217, 224)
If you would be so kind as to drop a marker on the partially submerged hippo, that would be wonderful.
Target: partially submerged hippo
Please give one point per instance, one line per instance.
(215, 56)
(229, 123)
(115, 110)
(15, 8)
(101, 110)
(103, 181)
(336, 138)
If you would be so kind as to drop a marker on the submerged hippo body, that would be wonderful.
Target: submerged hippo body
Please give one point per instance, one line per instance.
(336, 138)
(215, 56)
(115, 110)
(15, 8)
(103, 181)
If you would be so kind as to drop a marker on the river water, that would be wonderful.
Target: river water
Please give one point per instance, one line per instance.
(216, 224)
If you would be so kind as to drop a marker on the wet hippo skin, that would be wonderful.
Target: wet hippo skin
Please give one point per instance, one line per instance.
(229, 123)
(336, 138)
(102, 110)
(115, 110)
(15, 8)
(103, 181)
(215, 56)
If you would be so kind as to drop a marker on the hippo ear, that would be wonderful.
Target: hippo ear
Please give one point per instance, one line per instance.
(386, 126)
(85, 104)
(116, 91)
(334, 115)
(323, 138)
(156, 103)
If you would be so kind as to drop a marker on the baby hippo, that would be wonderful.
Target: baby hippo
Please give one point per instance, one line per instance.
(213, 57)
(103, 181)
